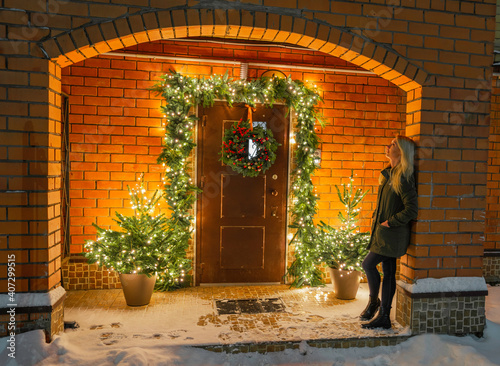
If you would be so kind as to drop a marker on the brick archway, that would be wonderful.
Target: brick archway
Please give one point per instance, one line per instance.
(89, 41)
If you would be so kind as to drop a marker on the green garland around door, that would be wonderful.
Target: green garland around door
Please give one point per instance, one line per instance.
(182, 93)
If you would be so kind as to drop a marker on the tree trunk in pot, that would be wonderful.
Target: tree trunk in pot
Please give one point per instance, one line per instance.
(137, 288)
(345, 283)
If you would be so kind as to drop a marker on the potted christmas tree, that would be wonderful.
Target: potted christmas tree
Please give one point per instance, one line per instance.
(145, 247)
(343, 249)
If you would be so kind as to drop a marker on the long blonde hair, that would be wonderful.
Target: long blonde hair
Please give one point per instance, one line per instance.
(406, 165)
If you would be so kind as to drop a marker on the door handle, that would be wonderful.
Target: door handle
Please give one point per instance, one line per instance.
(274, 192)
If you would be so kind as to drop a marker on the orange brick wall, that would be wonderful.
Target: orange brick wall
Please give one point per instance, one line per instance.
(116, 124)
(115, 135)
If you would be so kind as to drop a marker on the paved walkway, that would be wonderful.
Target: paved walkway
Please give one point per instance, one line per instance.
(190, 317)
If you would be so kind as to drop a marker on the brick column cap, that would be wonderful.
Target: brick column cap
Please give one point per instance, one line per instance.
(33, 299)
(445, 287)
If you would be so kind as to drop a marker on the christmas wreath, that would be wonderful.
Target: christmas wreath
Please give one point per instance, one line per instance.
(248, 150)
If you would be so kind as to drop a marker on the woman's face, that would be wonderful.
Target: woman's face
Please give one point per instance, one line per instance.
(393, 153)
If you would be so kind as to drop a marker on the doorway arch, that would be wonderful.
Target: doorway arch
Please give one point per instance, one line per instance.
(91, 40)
(94, 39)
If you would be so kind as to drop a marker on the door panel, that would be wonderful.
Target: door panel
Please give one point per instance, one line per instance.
(235, 204)
(234, 255)
(241, 221)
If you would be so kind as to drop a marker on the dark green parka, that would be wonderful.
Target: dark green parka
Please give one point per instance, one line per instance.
(399, 210)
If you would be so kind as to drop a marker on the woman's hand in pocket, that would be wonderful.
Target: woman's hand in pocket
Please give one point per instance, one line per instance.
(385, 223)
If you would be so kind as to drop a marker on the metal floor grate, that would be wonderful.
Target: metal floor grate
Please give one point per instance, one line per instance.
(250, 306)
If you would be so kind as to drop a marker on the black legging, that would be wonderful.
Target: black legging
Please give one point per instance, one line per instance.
(388, 284)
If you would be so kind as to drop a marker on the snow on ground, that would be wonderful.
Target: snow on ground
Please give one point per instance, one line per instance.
(75, 348)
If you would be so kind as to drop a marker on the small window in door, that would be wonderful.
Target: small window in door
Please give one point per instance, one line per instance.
(252, 147)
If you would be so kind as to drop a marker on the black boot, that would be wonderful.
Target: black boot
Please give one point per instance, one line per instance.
(370, 309)
(382, 320)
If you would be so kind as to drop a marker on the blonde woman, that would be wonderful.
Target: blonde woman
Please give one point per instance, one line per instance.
(390, 235)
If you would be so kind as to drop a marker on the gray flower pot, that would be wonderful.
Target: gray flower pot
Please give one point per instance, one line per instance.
(137, 288)
(345, 283)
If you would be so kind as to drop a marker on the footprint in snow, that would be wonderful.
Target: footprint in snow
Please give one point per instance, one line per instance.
(176, 333)
(143, 336)
(111, 338)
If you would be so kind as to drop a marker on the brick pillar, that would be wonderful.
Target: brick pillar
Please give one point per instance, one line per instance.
(452, 134)
(451, 178)
(29, 190)
(491, 262)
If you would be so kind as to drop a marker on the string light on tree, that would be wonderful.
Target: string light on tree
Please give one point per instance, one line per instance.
(345, 247)
(130, 249)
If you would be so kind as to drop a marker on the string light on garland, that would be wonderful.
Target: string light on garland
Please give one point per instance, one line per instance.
(182, 93)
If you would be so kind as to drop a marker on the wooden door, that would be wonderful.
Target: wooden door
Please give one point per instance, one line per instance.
(241, 221)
